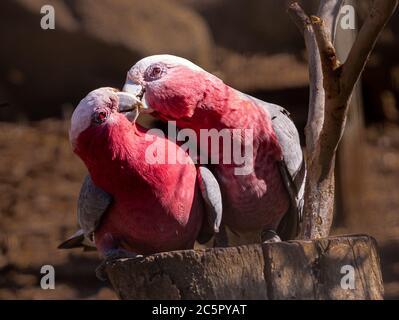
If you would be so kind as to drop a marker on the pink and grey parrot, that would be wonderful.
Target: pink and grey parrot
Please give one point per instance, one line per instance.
(269, 200)
(128, 206)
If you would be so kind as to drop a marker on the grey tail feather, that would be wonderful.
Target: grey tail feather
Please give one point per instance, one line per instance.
(76, 241)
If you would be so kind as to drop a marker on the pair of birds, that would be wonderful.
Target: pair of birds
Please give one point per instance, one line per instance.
(128, 206)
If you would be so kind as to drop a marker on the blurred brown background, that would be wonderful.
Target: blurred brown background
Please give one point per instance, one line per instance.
(252, 45)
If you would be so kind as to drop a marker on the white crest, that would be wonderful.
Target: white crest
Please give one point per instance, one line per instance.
(139, 68)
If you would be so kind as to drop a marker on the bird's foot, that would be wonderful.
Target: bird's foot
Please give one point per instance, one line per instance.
(110, 255)
(270, 236)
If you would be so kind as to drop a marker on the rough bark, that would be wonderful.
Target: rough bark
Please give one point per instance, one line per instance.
(331, 84)
(285, 270)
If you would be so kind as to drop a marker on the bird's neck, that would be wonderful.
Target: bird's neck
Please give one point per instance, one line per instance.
(112, 154)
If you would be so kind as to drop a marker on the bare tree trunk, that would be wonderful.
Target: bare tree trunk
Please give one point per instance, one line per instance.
(327, 116)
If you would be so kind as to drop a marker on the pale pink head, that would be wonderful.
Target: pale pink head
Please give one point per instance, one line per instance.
(170, 87)
(101, 110)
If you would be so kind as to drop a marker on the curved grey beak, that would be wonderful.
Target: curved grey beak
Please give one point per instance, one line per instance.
(133, 88)
(138, 91)
(129, 105)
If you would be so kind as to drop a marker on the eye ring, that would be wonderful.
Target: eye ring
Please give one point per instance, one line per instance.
(100, 117)
(155, 72)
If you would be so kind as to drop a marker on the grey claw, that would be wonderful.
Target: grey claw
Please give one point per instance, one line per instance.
(270, 236)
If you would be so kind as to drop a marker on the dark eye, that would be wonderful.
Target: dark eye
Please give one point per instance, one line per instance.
(154, 72)
(100, 117)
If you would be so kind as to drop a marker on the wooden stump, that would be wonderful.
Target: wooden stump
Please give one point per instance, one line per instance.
(317, 269)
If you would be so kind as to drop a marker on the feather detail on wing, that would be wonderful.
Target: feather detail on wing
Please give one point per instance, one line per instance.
(292, 166)
(93, 202)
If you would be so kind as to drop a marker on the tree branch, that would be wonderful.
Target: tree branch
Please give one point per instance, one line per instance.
(329, 60)
(340, 82)
(331, 86)
(329, 12)
(300, 18)
(380, 13)
(316, 94)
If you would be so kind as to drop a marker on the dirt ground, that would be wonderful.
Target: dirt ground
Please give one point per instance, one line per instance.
(39, 182)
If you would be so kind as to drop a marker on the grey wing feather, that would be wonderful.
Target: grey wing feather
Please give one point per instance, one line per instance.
(212, 196)
(292, 166)
(93, 202)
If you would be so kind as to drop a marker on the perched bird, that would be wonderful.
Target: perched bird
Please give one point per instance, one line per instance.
(268, 198)
(128, 206)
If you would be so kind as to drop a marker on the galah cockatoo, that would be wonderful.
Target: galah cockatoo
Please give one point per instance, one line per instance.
(266, 200)
(128, 206)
